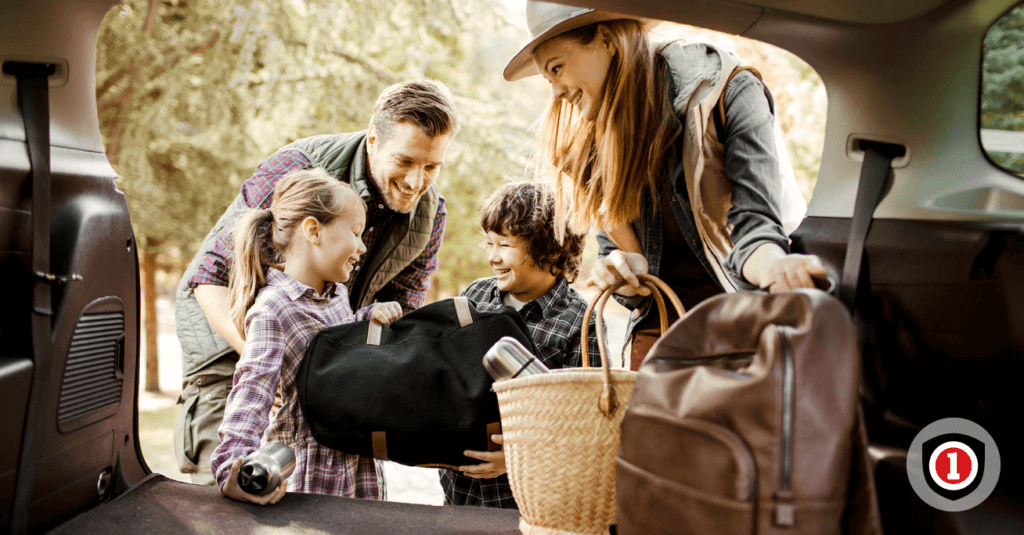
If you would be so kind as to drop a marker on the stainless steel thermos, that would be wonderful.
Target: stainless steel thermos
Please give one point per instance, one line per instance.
(508, 359)
(264, 469)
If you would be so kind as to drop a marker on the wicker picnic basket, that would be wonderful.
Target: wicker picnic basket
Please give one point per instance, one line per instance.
(561, 432)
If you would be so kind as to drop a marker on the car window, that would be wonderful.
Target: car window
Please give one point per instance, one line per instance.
(1002, 92)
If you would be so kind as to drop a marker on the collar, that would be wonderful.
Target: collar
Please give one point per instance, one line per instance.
(694, 70)
(359, 176)
(295, 289)
(547, 302)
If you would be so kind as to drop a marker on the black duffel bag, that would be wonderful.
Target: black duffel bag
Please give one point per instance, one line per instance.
(415, 392)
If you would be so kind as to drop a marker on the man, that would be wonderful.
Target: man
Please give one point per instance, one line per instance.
(393, 166)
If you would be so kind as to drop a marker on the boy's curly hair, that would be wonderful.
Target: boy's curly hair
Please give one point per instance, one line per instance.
(527, 210)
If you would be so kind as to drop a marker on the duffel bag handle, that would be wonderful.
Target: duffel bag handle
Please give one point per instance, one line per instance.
(607, 402)
(462, 311)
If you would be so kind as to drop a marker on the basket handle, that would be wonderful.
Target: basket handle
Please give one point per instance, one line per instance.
(608, 402)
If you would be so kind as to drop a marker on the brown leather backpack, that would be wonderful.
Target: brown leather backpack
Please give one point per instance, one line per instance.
(744, 421)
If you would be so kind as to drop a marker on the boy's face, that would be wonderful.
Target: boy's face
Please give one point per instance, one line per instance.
(514, 268)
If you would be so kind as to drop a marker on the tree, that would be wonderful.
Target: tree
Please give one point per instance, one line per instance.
(212, 87)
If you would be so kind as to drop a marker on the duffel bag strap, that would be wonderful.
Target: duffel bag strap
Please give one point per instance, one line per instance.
(462, 311)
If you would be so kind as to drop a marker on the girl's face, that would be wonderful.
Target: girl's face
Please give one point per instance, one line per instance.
(577, 71)
(341, 244)
(514, 268)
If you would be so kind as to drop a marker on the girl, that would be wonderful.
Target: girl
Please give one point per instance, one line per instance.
(315, 223)
(678, 164)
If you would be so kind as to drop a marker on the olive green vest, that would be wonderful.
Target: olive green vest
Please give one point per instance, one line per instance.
(343, 156)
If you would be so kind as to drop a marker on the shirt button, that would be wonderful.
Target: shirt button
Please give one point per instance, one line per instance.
(369, 229)
(381, 206)
(209, 396)
(199, 381)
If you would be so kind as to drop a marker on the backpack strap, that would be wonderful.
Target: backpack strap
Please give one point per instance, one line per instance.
(720, 108)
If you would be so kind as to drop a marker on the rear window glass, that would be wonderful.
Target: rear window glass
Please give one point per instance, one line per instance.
(1002, 92)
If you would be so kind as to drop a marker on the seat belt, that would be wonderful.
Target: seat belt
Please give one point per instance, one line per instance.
(874, 174)
(34, 102)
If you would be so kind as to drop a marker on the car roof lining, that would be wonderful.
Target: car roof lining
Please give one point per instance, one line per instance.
(854, 12)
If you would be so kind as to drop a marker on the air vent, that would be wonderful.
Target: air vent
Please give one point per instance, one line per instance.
(91, 389)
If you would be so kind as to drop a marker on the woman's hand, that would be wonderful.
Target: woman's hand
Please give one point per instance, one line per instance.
(793, 271)
(387, 312)
(233, 491)
(493, 465)
(770, 268)
(620, 265)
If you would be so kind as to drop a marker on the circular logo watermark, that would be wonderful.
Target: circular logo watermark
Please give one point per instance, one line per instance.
(953, 464)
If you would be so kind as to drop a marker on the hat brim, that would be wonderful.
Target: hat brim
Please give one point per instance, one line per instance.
(522, 64)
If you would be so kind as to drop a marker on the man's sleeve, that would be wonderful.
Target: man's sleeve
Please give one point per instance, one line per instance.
(409, 288)
(256, 192)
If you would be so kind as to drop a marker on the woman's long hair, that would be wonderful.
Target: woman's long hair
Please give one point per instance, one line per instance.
(604, 168)
(298, 195)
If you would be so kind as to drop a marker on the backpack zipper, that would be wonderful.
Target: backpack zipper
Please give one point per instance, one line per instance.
(784, 508)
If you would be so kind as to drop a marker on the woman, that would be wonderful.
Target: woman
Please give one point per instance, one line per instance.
(633, 143)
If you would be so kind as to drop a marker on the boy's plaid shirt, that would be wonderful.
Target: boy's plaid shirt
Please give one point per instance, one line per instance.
(408, 288)
(555, 321)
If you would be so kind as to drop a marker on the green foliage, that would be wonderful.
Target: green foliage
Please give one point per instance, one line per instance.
(212, 87)
(1002, 83)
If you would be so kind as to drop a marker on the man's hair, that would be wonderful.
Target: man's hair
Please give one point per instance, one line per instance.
(427, 104)
(527, 210)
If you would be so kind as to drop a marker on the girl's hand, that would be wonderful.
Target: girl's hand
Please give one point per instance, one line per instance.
(620, 265)
(385, 313)
(233, 491)
(493, 465)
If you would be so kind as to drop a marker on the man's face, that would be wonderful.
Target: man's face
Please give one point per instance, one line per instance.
(405, 164)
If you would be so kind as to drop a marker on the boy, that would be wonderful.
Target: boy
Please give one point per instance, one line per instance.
(532, 273)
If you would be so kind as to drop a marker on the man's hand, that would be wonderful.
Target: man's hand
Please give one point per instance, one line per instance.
(493, 465)
(620, 265)
(385, 313)
(233, 491)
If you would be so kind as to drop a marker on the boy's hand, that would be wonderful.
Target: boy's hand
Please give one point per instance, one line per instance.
(385, 313)
(493, 466)
(233, 491)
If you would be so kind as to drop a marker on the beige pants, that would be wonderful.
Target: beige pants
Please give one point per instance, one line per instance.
(203, 399)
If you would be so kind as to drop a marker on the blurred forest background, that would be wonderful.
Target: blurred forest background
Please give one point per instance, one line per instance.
(1002, 92)
(193, 94)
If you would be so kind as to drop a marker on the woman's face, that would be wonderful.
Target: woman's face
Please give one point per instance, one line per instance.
(577, 71)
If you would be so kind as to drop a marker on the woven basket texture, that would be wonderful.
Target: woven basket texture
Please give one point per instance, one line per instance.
(560, 448)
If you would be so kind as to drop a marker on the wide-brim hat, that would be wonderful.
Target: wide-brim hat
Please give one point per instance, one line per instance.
(546, 20)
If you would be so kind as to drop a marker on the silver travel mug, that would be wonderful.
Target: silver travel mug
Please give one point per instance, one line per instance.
(263, 470)
(508, 359)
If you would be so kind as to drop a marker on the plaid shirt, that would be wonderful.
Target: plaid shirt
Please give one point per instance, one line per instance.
(279, 326)
(555, 320)
(408, 288)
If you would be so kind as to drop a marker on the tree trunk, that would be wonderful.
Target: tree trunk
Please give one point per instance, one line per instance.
(149, 312)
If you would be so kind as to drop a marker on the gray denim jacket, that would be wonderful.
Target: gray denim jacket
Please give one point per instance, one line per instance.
(751, 163)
